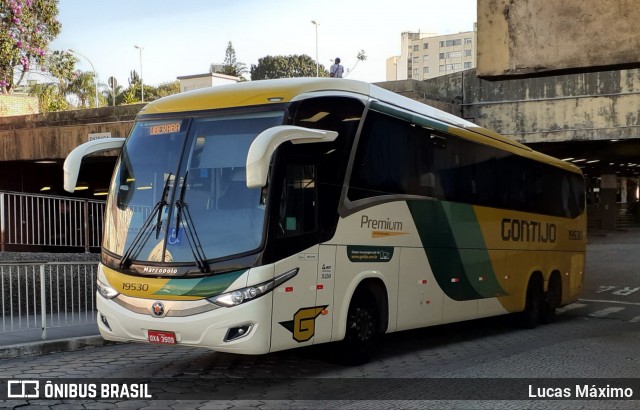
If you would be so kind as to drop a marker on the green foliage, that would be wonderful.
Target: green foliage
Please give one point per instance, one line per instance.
(231, 66)
(134, 78)
(271, 67)
(129, 96)
(26, 29)
(133, 94)
(360, 57)
(84, 87)
(61, 64)
(162, 90)
(49, 98)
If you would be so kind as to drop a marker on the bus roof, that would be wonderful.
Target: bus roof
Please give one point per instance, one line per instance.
(287, 89)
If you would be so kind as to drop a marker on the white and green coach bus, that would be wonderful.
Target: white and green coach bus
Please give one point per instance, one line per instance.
(275, 214)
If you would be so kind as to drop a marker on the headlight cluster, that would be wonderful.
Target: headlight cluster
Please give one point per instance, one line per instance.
(240, 296)
(106, 291)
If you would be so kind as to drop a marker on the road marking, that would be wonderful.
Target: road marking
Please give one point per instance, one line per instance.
(626, 291)
(570, 307)
(606, 312)
(618, 302)
(635, 319)
(605, 288)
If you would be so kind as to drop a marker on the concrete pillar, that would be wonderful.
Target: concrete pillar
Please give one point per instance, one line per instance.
(608, 204)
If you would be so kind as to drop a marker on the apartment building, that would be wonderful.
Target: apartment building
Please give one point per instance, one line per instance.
(428, 55)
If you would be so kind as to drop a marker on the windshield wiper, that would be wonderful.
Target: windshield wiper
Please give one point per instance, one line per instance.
(157, 210)
(192, 235)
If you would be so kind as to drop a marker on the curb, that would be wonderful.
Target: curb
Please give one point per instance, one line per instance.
(52, 346)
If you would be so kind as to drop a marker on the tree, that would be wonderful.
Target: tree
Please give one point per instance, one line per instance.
(112, 91)
(61, 65)
(49, 97)
(231, 66)
(133, 94)
(26, 29)
(163, 90)
(286, 66)
(84, 87)
(361, 57)
(113, 95)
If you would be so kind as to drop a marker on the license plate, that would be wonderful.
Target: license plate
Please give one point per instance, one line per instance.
(162, 337)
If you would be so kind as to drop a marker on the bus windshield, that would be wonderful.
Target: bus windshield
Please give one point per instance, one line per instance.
(179, 191)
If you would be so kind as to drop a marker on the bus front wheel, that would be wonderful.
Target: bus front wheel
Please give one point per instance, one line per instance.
(362, 333)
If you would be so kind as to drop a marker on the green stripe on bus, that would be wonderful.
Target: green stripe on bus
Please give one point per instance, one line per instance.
(451, 236)
(204, 287)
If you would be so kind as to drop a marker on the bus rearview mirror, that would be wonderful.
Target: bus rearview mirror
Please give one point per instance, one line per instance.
(265, 144)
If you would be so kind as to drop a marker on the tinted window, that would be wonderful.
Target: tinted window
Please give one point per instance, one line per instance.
(396, 157)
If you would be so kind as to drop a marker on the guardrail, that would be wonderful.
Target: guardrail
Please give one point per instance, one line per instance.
(37, 221)
(46, 295)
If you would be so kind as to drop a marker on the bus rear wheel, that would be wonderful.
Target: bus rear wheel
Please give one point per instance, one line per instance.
(362, 332)
(530, 317)
(552, 300)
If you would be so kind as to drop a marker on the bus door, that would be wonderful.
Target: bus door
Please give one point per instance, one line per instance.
(295, 311)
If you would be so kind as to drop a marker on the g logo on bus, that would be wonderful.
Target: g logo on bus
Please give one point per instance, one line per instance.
(303, 325)
(157, 309)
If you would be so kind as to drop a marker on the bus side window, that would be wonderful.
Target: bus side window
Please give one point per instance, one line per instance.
(297, 213)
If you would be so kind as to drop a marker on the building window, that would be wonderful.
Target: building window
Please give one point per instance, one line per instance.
(425, 46)
(442, 44)
(425, 70)
(467, 65)
(467, 53)
(441, 56)
(442, 68)
(467, 41)
(416, 60)
(456, 42)
(454, 54)
(425, 58)
(416, 48)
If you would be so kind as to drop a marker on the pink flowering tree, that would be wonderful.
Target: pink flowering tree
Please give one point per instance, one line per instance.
(26, 29)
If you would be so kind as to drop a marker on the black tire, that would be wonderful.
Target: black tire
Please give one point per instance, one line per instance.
(363, 330)
(552, 299)
(530, 317)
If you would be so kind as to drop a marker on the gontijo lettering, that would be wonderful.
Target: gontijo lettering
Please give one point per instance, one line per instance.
(517, 230)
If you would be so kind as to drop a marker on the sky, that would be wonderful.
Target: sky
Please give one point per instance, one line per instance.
(183, 37)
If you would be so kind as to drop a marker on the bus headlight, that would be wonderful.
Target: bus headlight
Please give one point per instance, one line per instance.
(240, 296)
(106, 291)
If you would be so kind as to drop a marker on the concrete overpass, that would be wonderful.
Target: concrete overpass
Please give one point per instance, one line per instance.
(33, 148)
(591, 119)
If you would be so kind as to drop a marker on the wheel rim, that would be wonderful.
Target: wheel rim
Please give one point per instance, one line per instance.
(361, 324)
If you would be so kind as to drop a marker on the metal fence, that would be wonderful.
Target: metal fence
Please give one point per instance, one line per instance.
(41, 295)
(41, 221)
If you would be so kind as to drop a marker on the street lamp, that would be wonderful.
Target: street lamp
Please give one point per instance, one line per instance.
(141, 82)
(95, 75)
(315, 23)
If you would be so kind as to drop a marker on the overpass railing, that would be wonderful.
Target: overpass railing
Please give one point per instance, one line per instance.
(34, 222)
(41, 295)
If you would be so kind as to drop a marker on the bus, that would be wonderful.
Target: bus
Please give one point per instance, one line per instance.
(269, 215)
